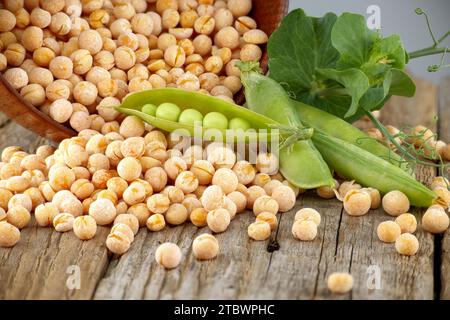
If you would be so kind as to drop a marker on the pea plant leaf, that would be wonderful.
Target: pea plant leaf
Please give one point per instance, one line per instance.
(337, 64)
(299, 46)
(376, 96)
(355, 82)
(402, 84)
(351, 37)
(389, 51)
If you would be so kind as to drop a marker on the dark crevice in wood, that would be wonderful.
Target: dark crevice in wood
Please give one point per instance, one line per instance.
(5, 123)
(437, 263)
(337, 232)
(275, 240)
(316, 283)
(275, 243)
(101, 276)
(441, 241)
(350, 268)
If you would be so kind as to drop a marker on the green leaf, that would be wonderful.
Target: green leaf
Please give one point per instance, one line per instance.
(299, 46)
(351, 37)
(402, 84)
(334, 104)
(376, 96)
(389, 51)
(375, 72)
(354, 80)
(337, 64)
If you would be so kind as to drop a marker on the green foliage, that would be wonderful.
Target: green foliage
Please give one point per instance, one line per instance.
(337, 64)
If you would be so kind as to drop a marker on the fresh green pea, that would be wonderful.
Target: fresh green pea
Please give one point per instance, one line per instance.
(300, 163)
(369, 170)
(190, 117)
(266, 96)
(239, 124)
(149, 109)
(168, 111)
(338, 128)
(215, 120)
(133, 103)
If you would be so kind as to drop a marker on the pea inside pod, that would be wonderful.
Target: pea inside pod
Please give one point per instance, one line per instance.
(190, 117)
(218, 110)
(149, 109)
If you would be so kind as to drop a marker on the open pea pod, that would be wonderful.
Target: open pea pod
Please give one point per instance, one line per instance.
(338, 128)
(300, 163)
(369, 170)
(263, 126)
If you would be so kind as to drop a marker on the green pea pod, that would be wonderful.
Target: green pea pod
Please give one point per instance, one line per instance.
(338, 128)
(300, 162)
(264, 126)
(368, 169)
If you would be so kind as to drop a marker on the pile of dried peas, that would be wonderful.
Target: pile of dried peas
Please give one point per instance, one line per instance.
(73, 59)
(123, 173)
(138, 176)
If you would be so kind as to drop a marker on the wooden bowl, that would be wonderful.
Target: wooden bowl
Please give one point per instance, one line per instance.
(267, 13)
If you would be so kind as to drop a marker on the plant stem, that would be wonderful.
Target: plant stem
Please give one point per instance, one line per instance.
(404, 152)
(443, 37)
(426, 52)
(430, 29)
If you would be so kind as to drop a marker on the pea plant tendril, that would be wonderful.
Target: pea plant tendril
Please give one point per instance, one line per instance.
(425, 151)
(434, 48)
(424, 155)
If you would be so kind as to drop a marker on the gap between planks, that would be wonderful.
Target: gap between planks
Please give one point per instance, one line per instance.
(443, 242)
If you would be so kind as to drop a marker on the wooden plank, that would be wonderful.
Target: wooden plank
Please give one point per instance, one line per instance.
(12, 134)
(46, 264)
(351, 244)
(37, 267)
(444, 133)
(238, 272)
(243, 270)
(420, 109)
(299, 270)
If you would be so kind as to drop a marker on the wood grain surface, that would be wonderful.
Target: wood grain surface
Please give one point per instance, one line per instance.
(37, 268)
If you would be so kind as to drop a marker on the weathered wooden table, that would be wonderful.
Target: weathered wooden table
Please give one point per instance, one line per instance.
(45, 263)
